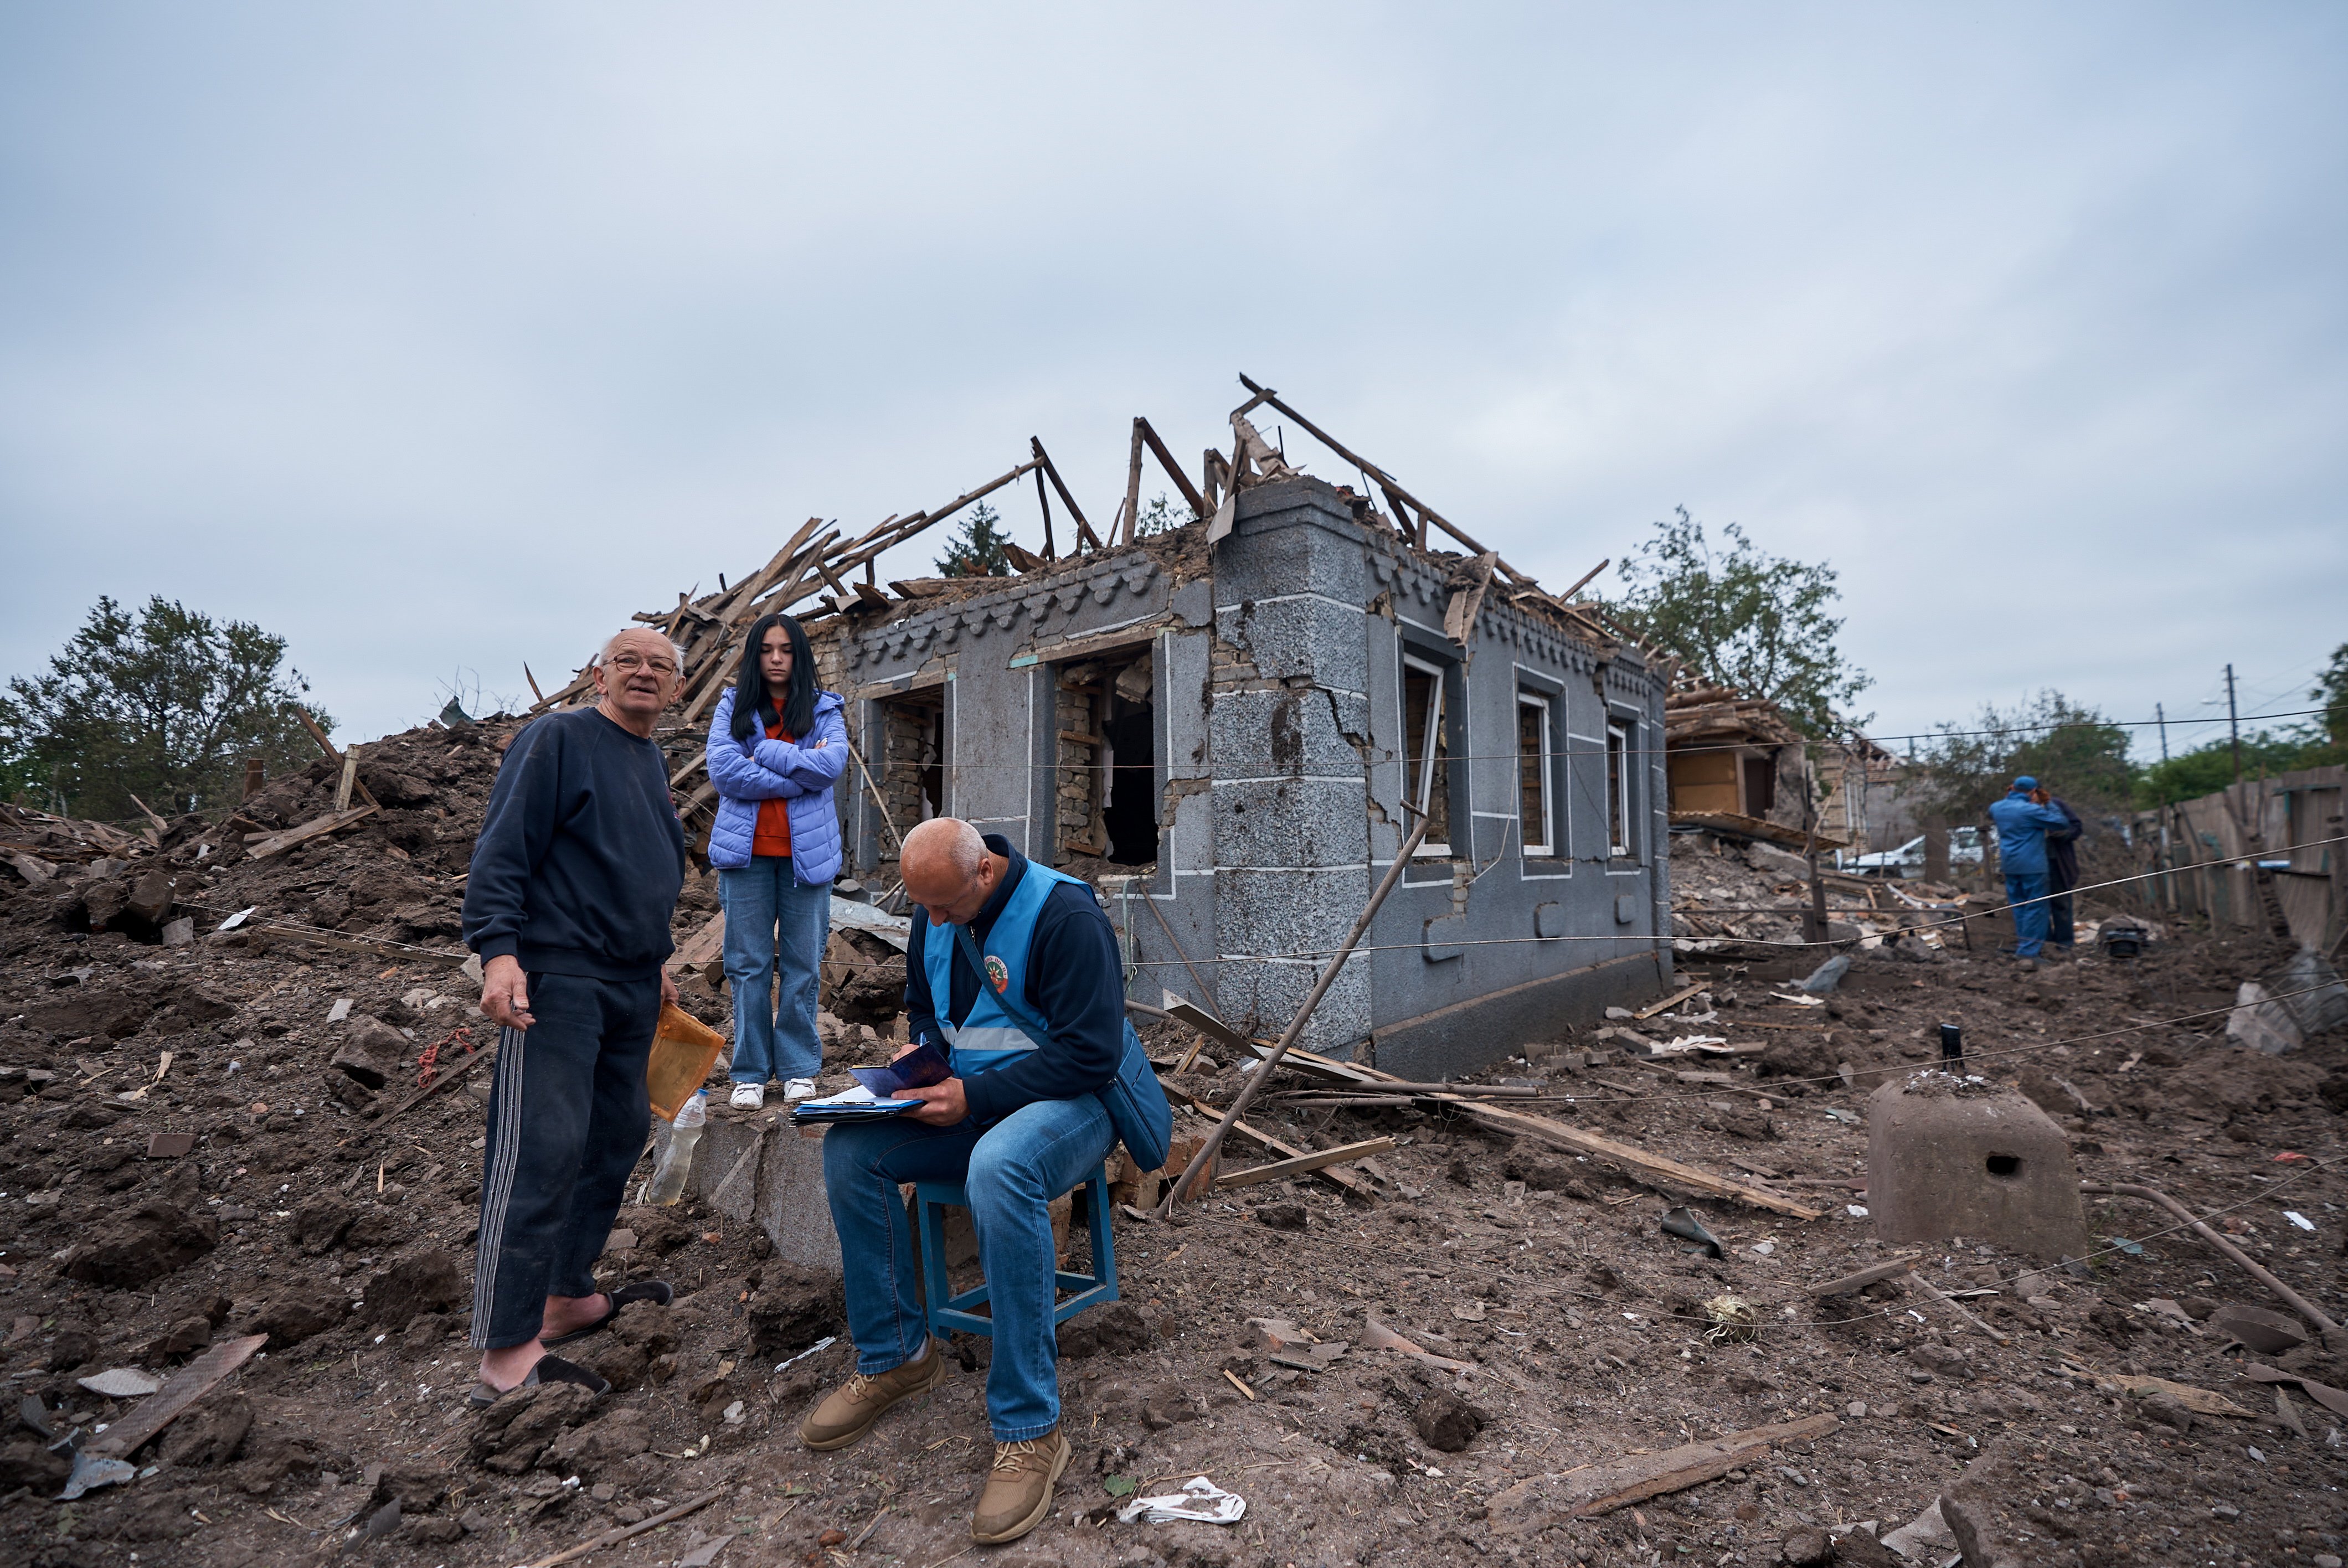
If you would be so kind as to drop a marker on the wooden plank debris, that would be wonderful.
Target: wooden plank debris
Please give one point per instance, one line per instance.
(630, 1532)
(2201, 1401)
(1843, 1285)
(316, 827)
(1376, 1336)
(701, 946)
(1344, 1181)
(1669, 1002)
(1635, 1477)
(394, 953)
(1303, 1165)
(441, 1080)
(183, 1388)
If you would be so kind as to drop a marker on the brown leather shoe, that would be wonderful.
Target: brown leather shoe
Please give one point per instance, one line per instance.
(1019, 1488)
(849, 1411)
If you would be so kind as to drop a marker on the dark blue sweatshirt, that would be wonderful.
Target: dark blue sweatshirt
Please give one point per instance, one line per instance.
(1075, 981)
(581, 856)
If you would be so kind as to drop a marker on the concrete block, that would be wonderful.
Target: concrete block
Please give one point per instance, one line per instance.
(1946, 1159)
(761, 1169)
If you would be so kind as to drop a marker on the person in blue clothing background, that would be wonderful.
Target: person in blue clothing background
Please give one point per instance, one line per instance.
(2022, 824)
(777, 745)
(2062, 869)
(1015, 967)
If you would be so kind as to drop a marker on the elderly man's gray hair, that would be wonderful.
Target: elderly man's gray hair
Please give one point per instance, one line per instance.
(962, 846)
(603, 654)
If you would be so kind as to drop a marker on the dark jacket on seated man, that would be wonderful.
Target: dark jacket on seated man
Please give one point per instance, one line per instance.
(1074, 978)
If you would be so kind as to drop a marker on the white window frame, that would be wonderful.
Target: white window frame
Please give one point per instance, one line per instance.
(1618, 763)
(1420, 791)
(1542, 846)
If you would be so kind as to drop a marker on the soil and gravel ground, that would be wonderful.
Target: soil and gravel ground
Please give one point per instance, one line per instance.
(304, 1211)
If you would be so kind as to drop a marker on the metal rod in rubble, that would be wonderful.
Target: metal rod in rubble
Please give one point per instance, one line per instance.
(1204, 1159)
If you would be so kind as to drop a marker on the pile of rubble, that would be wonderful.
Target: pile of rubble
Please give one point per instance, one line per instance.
(1474, 1343)
(1733, 896)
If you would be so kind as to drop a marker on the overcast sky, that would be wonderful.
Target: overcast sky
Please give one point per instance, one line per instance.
(441, 337)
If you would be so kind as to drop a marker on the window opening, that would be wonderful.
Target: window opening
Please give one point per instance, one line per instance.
(1618, 792)
(1107, 776)
(1533, 815)
(1427, 753)
(912, 773)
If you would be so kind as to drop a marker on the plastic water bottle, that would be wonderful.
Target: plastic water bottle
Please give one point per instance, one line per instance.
(667, 1184)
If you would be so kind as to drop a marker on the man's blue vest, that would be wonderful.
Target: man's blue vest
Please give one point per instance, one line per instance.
(1001, 1024)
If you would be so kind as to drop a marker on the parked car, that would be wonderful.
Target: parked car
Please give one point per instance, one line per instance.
(1907, 860)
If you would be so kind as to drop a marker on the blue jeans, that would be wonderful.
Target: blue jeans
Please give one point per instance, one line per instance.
(2030, 919)
(1011, 1171)
(567, 1122)
(775, 927)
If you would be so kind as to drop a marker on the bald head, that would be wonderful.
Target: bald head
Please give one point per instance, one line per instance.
(948, 869)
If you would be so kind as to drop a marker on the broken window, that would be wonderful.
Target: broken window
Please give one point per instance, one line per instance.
(1426, 752)
(1534, 819)
(1107, 793)
(913, 779)
(1618, 792)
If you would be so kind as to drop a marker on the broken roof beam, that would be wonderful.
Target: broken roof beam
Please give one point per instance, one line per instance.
(1395, 492)
(1043, 462)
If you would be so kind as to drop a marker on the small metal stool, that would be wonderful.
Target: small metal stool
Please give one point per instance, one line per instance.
(947, 1312)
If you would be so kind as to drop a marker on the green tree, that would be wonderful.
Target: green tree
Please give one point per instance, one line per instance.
(1159, 515)
(2330, 693)
(2071, 749)
(1742, 618)
(165, 704)
(977, 549)
(2210, 767)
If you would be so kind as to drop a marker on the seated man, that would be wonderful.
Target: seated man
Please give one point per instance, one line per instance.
(1016, 966)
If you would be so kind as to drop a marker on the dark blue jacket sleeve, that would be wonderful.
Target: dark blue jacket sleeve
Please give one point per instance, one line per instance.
(1076, 980)
(921, 1011)
(515, 831)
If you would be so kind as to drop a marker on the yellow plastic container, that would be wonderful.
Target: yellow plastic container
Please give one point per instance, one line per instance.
(683, 1051)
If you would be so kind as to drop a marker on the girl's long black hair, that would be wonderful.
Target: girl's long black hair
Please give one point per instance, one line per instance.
(751, 696)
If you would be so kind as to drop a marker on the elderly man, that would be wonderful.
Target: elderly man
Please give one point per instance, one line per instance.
(575, 878)
(2022, 823)
(1018, 967)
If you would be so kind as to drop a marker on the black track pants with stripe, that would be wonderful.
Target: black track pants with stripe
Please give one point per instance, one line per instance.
(567, 1122)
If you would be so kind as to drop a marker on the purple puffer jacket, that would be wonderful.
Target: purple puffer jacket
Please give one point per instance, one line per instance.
(800, 775)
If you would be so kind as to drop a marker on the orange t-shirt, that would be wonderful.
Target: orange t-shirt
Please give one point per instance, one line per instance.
(773, 833)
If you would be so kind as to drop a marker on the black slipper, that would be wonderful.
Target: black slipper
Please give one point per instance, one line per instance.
(655, 1291)
(546, 1369)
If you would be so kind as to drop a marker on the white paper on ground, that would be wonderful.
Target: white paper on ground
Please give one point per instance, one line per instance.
(1200, 1501)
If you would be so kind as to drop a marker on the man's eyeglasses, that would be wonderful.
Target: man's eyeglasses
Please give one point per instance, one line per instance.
(632, 663)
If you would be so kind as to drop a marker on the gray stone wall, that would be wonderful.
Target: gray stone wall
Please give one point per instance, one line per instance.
(1277, 691)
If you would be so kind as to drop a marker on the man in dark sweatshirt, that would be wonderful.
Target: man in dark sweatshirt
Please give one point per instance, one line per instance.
(574, 878)
(1014, 968)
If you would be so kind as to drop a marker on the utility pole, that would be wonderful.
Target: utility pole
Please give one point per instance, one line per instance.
(2233, 720)
(2162, 718)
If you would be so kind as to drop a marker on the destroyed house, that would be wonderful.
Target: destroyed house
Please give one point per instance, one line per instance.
(1736, 764)
(1226, 729)
(1223, 740)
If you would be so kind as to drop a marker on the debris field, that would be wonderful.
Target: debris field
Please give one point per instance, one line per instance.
(1474, 1345)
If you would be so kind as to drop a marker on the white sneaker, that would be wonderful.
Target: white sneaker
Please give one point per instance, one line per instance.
(749, 1096)
(799, 1088)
